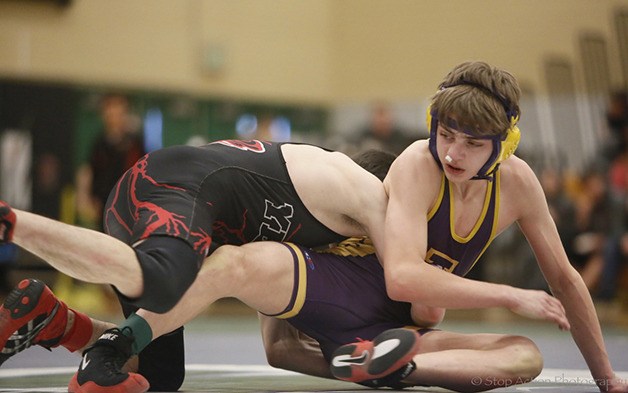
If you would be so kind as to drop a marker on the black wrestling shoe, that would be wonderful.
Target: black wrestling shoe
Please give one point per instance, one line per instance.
(100, 370)
(370, 360)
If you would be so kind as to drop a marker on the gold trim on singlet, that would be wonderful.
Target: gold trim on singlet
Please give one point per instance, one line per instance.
(352, 247)
(302, 284)
(497, 179)
(478, 223)
(439, 199)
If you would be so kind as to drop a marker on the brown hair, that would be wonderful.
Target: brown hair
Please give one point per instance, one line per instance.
(377, 162)
(479, 97)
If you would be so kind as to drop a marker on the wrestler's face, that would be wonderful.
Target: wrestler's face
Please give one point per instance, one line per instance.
(462, 155)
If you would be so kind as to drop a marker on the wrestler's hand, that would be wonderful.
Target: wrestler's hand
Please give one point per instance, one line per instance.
(7, 222)
(540, 305)
(616, 385)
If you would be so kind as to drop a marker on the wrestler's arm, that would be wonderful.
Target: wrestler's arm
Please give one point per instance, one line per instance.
(289, 349)
(425, 316)
(368, 195)
(565, 282)
(412, 188)
(409, 278)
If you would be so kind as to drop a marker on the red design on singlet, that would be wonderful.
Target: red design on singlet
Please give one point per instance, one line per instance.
(205, 240)
(220, 228)
(160, 216)
(252, 145)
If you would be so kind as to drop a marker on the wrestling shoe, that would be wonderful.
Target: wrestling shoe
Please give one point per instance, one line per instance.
(7, 222)
(100, 370)
(389, 352)
(30, 315)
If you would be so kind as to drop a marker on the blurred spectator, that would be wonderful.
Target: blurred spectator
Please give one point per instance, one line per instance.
(47, 186)
(382, 133)
(593, 223)
(272, 128)
(617, 121)
(115, 150)
(264, 127)
(616, 249)
(618, 171)
(562, 209)
(615, 259)
(118, 146)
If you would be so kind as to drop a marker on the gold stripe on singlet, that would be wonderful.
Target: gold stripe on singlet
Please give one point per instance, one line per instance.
(299, 299)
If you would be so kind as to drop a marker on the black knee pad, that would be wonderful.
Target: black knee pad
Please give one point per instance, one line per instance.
(162, 362)
(169, 267)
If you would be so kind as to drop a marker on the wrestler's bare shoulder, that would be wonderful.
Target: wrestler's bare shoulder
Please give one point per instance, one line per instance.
(302, 152)
(417, 148)
(520, 191)
(516, 175)
(416, 163)
(317, 174)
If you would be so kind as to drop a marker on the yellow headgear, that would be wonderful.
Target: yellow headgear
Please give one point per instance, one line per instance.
(503, 147)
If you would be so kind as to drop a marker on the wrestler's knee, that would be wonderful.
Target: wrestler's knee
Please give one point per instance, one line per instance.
(228, 264)
(165, 297)
(526, 359)
(169, 267)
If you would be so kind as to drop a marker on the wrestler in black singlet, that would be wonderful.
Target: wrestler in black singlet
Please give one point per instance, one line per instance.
(226, 192)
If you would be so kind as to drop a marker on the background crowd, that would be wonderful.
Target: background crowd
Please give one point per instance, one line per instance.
(87, 87)
(590, 207)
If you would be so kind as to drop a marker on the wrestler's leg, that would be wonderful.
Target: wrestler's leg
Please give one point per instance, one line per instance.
(81, 253)
(260, 274)
(475, 362)
(98, 328)
(242, 272)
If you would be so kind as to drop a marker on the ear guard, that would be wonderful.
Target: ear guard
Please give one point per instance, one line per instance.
(502, 148)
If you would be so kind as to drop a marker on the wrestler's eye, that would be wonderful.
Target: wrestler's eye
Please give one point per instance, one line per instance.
(447, 135)
(475, 143)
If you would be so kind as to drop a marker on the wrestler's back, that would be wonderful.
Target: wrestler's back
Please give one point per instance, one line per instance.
(336, 190)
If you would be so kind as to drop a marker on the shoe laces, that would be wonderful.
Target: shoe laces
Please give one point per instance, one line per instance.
(27, 334)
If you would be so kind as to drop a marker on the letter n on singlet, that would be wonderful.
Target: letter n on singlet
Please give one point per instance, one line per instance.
(277, 221)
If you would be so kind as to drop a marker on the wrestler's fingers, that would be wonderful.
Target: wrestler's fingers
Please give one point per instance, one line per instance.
(558, 312)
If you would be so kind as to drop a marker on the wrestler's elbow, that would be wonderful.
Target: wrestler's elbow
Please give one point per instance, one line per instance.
(398, 286)
(426, 316)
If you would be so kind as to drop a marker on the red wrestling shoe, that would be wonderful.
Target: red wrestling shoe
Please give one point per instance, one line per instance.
(30, 315)
(7, 222)
(100, 370)
(369, 360)
(349, 362)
